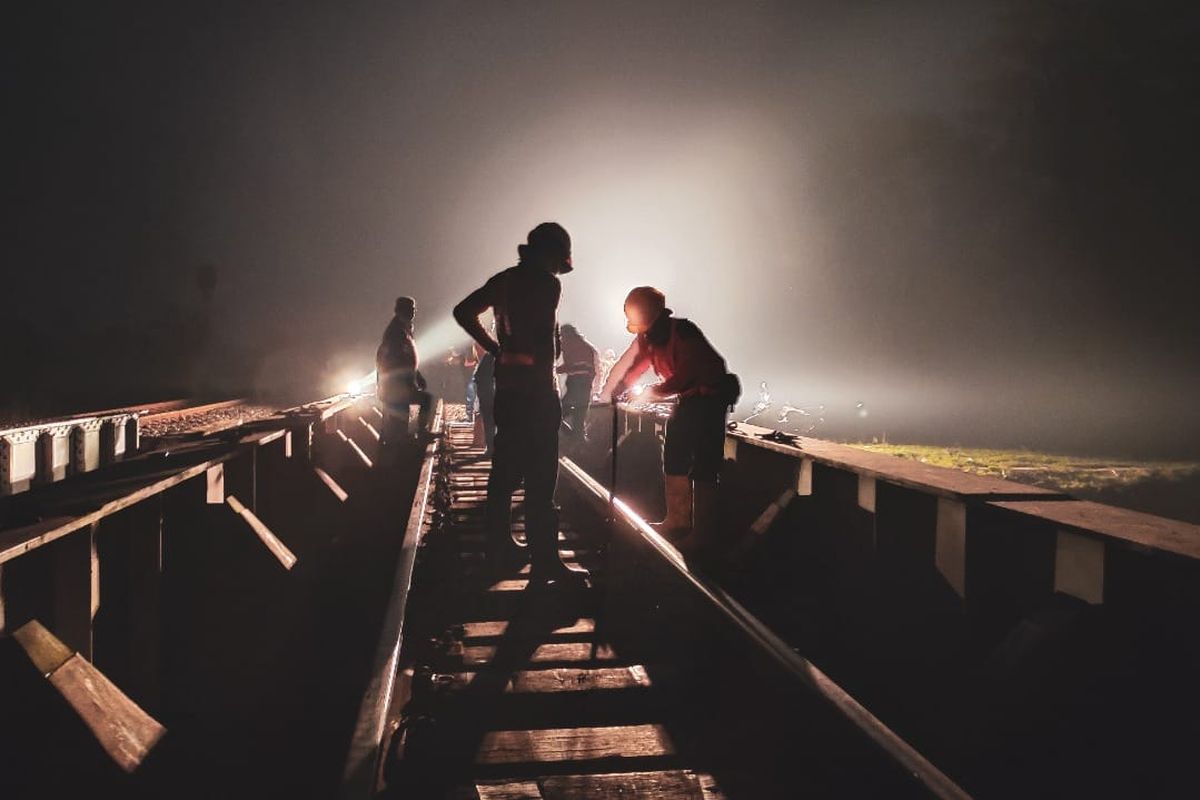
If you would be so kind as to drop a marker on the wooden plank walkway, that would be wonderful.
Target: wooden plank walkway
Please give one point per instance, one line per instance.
(511, 698)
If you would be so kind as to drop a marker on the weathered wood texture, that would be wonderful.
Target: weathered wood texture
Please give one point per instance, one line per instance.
(665, 785)
(122, 729)
(1119, 525)
(568, 679)
(574, 744)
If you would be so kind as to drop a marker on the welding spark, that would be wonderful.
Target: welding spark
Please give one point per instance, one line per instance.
(809, 411)
(763, 403)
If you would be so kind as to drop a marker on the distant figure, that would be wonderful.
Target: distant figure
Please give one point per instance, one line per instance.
(399, 384)
(606, 364)
(471, 354)
(484, 381)
(579, 363)
(524, 300)
(453, 387)
(693, 373)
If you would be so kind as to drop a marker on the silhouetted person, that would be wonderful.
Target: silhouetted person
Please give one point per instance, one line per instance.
(399, 384)
(694, 373)
(472, 352)
(485, 392)
(524, 300)
(579, 364)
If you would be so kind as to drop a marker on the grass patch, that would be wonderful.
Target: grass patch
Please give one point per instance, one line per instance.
(1046, 470)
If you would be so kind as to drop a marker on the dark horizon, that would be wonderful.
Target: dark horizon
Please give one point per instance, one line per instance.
(978, 219)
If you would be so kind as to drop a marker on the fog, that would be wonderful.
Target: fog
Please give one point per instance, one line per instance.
(976, 218)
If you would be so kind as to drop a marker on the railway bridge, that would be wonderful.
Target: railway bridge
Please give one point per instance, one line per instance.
(234, 601)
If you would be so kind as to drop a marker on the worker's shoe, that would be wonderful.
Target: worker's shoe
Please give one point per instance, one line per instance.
(705, 528)
(678, 523)
(546, 566)
(504, 554)
(557, 574)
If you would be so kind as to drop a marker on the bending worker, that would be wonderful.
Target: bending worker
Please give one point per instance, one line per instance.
(580, 361)
(694, 373)
(399, 384)
(528, 413)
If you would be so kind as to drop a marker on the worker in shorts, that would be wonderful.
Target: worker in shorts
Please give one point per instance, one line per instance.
(693, 374)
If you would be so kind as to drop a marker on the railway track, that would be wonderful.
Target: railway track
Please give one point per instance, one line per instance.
(45, 451)
(217, 580)
(651, 682)
(201, 420)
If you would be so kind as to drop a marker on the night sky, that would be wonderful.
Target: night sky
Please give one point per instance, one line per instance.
(980, 219)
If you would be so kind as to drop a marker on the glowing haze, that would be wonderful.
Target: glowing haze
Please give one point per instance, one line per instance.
(924, 207)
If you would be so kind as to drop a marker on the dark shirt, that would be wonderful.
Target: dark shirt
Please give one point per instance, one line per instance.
(579, 357)
(525, 302)
(396, 360)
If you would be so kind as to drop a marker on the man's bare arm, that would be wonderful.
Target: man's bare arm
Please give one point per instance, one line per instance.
(467, 314)
(629, 368)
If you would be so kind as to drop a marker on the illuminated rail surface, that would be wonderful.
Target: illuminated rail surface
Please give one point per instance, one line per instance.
(652, 682)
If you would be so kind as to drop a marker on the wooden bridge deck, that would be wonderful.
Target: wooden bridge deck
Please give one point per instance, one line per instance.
(512, 697)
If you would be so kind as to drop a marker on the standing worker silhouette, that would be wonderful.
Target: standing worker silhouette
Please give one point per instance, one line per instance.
(693, 449)
(580, 363)
(484, 380)
(524, 300)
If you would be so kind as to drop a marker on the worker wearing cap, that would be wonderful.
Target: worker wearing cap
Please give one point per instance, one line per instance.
(694, 374)
(528, 413)
(579, 364)
(399, 384)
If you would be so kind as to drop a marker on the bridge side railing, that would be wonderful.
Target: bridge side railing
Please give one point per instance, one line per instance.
(33, 455)
(691, 611)
(98, 566)
(1000, 547)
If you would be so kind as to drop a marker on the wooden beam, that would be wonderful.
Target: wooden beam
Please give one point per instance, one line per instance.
(278, 549)
(1116, 525)
(950, 543)
(574, 744)
(214, 481)
(44, 649)
(354, 446)
(804, 473)
(901, 471)
(370, 429)
(16, 541)
(122, 729)
(866, 493)
(76, 590)
(1079, 567)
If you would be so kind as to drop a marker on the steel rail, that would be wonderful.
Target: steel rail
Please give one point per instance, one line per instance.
(361, 773)
(141, 410)
(189, 411)
(799, 667)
